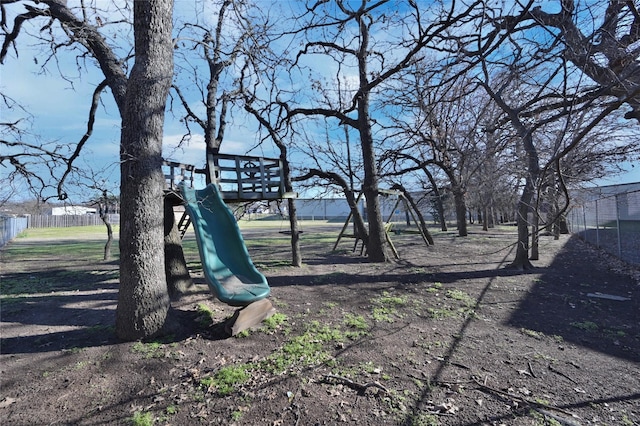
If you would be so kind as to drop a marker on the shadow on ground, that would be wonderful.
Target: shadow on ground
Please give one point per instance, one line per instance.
(575, 301)
(66, 309)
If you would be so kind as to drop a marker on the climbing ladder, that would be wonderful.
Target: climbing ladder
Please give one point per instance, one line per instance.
(183, 223)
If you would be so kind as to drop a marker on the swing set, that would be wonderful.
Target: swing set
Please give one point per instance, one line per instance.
(388, 225)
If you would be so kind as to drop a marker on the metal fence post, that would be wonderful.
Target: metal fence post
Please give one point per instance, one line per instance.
(597, 226)
(618, 225)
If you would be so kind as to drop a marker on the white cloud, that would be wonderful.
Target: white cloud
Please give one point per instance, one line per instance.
(191, 151)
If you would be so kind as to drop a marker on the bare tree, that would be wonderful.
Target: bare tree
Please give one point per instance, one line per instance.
(142, 300)
(221, 52)
(600, 38)
(441, 127)
(105, 204)
(346, 35)
(536, 84)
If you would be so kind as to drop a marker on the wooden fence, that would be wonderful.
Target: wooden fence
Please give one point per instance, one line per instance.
(42, 221)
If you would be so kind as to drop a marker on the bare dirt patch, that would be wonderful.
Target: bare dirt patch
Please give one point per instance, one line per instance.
(445, 336)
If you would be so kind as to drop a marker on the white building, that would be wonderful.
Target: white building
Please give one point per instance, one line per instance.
(72, 210)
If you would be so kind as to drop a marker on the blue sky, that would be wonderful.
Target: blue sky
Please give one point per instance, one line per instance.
(60, 110)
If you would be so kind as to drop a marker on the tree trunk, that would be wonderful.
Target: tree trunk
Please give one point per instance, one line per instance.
(107, 246)
(296, 255)
(561, 227)
(377, 243)
(535, 237)
(461, 210)
(524, 205)
(485, 218)
(441, 214)
(143, 299)
(437, 200)
(178, 279)
(102, 210)
(521, 260)
(358, 222)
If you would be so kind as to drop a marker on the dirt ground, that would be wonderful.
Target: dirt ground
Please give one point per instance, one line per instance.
(445, 336)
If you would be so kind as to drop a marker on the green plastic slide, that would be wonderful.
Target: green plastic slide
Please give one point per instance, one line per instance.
(228, 269)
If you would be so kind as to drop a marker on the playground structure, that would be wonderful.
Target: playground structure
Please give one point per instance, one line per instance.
(228, 269)
(388, 225)
(238, 177)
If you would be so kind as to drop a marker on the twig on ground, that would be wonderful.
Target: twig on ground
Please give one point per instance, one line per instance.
(536, 405)
(457, 364)
(531, 371)
(562, 420)
(551, 368)
(361, 388)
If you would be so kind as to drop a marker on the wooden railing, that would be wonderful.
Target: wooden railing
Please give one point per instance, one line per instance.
(176, 173)
(240, 177)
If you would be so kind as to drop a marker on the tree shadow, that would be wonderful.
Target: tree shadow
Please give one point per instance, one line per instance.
(572, 300)
(557, 305)
(397, 276)
(65, 309)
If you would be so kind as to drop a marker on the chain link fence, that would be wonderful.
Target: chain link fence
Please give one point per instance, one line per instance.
(10, 227)
(611, 222)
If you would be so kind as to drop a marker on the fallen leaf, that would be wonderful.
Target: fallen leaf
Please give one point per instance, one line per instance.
(7, 402)
(333, 392)
(447, 407)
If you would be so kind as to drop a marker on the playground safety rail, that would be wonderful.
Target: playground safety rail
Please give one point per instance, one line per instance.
(239, 177)
(244, 177)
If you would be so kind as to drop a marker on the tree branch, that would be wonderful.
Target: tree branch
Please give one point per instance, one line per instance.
(92, 118)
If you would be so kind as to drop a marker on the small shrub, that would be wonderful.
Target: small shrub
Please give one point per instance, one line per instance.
(142, 419)
(226, 379)
(356, 321)
(275, 320)
(585, 325)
